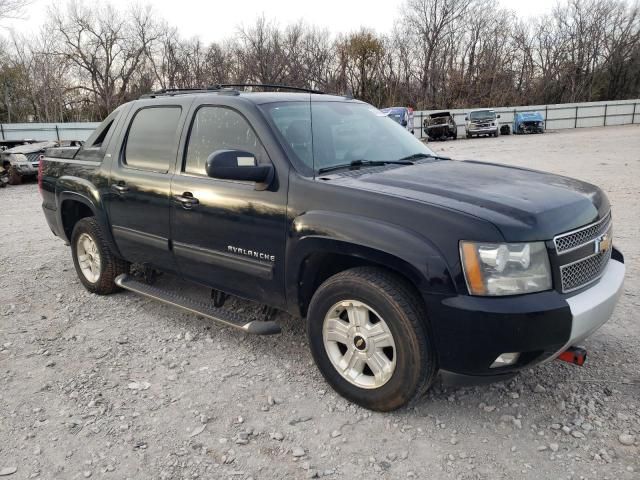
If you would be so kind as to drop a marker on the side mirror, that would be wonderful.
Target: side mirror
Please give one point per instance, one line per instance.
(404, 123)
(497, 116)
(238, 165)
(466, 119)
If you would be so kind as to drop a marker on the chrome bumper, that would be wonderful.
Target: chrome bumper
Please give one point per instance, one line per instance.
(593, 307)
(482, 129)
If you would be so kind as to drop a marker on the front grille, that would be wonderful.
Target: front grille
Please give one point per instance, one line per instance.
(575, 239)
(583, 272)
(33, 157)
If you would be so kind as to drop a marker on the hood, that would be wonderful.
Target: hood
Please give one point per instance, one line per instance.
(31, 148)
(525, 205)
(440, 114)
(393, 110)
(482, 117)
(529, 117)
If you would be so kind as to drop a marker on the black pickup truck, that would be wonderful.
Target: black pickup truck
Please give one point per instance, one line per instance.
(403, 263)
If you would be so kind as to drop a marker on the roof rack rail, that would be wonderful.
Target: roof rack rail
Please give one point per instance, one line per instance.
(224, 88)
(277, 86)
(176, 91)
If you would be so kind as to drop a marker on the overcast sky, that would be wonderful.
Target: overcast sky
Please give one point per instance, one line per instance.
(215, 20)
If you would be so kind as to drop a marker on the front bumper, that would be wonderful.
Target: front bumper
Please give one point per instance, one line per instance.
(438, 130)
(529, 128)
(594, 306)
(26, 168)
(482, 130)
(471, 332)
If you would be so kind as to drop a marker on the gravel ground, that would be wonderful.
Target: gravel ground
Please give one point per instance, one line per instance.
(123, 387)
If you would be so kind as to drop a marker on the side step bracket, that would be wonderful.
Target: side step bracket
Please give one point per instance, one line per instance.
(220, 315)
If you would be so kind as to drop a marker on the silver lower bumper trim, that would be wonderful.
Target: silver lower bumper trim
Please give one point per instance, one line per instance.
(593, 307)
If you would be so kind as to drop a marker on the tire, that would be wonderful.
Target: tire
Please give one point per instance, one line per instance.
(14, 176)
(101, 278)
(395, 311)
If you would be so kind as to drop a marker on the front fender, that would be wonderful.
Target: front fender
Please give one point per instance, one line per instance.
(392, 246)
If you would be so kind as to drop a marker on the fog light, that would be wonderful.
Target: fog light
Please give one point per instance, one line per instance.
(505, 359)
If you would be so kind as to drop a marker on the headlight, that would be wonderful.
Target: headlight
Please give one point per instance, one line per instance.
(505, 268)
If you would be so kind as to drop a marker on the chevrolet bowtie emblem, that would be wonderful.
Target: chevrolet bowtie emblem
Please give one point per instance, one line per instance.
(603, 243)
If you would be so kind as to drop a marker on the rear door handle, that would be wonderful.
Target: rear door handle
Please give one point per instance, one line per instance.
(187, 200)
(119, 188)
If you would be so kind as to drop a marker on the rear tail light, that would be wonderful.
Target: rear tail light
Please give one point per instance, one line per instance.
(40, 165)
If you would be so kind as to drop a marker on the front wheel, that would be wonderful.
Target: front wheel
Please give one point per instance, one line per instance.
(96, 265)
(369, 336)
(14, 176)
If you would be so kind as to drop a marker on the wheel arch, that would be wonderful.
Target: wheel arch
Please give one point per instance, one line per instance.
(72, 209)
(315, 254)
(81, 203)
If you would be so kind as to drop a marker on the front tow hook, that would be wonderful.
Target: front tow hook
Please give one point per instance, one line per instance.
(575, 355)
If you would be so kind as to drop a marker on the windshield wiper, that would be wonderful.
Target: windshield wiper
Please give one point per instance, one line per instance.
(416, 156)
(365, 163)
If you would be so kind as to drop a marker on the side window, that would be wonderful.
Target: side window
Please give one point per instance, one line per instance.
(219, 128)
(153, 139)
(96, 139)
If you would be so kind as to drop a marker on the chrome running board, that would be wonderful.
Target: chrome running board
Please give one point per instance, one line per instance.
(220, 315)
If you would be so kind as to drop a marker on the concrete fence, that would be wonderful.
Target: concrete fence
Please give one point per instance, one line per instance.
(557, 117)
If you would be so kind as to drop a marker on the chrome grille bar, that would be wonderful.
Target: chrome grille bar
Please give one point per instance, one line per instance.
(569, 241)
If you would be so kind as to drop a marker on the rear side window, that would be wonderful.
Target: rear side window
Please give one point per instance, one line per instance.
(96, 139)
(219, 128)
(153, 139)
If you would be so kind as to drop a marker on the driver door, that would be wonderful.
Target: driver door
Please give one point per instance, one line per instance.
(229, 236)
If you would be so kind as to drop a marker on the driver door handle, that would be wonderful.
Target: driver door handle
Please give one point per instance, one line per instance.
(187, 200)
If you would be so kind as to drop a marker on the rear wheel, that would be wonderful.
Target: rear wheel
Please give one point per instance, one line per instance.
(369, 337)
(96, 265)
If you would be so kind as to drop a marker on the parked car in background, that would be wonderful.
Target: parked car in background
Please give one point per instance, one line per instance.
(482, 122)
(440, 126)
(19, 162)
(401, 115)
(6, 144)
(528, 122)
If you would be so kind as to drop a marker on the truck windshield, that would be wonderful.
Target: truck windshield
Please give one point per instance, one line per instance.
(483, 115)
(322, 134)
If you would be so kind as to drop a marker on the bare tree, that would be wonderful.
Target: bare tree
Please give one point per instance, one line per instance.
(12, 8)
(441, 54)
(106, 47)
